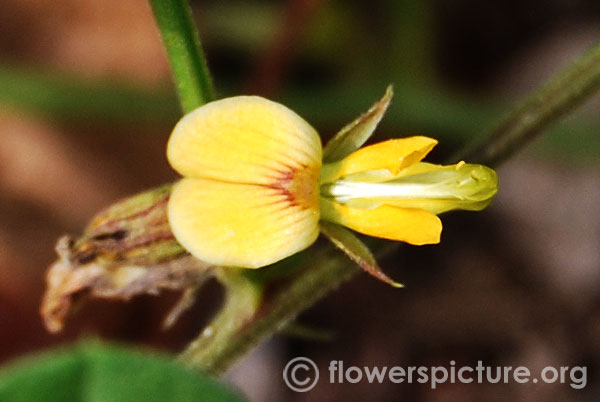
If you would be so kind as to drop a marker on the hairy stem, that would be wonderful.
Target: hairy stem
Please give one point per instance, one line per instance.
(180, 36)
(560, 95)
(212, 350)
(242, 324)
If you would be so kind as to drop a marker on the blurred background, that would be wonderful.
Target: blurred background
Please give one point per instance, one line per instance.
(87, 104)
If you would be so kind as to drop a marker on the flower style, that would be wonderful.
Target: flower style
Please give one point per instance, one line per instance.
(257, 185)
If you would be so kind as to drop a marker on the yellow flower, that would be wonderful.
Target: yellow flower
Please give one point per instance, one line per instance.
(257, 183)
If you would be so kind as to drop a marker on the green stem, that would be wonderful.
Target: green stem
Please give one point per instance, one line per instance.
(180, 36)
(545, 106)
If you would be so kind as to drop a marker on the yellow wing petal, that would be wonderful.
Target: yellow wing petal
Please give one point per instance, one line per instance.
(244, 139)
(413, 226)
(393, 155)
(239, 225)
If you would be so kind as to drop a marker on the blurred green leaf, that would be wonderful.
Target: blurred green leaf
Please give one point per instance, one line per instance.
(93, 372)
(239, 24)
(410, 55)
(451, 117)
(67, 97)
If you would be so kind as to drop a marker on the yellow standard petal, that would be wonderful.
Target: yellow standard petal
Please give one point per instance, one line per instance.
(392, 155)
(244, 139)
(250, 196)
(414, 226)
(240, 225)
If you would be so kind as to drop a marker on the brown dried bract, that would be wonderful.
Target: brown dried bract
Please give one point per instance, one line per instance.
(127, 250)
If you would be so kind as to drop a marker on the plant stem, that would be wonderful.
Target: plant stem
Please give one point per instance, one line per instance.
(272, 64)
(545, 106)
(180, 36)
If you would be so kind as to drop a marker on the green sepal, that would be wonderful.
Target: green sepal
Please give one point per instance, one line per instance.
(358, 252)
(355, 134)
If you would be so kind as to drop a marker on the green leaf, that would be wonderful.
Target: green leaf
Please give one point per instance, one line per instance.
(355, 134)
(358, 252)
(92, 372)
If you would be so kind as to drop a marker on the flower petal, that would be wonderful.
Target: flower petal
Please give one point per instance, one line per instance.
(434, 206)
(239, 225)
(393, 155)
(414, 226)
(244, 139)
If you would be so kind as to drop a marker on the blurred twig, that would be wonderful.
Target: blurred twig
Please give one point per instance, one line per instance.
(180, 36)
(272, 64)
(552, 101)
